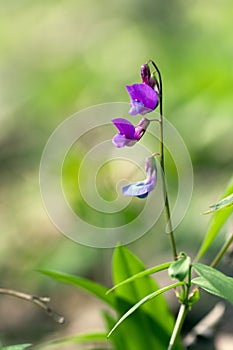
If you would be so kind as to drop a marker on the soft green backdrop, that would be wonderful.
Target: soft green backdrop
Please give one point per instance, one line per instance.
(57, 57)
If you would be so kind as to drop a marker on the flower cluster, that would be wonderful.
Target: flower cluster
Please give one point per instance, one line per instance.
(144, 98)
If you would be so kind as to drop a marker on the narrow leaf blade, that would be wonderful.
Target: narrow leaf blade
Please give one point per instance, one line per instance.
(126, 265)
(216, 223)
(16, 347)
(222, 204)
(88, 338)
(141, 274)
(90, 286)
(143, 301)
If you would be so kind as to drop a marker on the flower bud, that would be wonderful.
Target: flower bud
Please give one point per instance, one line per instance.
(145, 73)
(153, 82)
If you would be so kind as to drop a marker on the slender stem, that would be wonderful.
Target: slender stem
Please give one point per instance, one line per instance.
(39, 301)
(182, 312)
(179, 323)
(222, 251)
(167, 206)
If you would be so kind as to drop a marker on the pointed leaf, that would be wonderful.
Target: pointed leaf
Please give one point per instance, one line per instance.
(16, 347)
(214, 281)
(125, 265)
(75, 339)
(143, 301)
(137, 332)
(92, 287)
(141, 274)
(224, 203)
(216, 223)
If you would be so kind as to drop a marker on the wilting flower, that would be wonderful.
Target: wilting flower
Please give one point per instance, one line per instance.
(143, 98)
(128, 134)
(141, 189)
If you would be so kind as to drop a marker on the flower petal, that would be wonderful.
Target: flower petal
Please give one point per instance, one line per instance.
(143, 98)
(125, 127)
(138, 108)
(121, 141)
(141, 189)
(136, 189)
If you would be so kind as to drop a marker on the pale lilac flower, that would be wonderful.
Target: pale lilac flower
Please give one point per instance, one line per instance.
(128, 134)
(141, 189)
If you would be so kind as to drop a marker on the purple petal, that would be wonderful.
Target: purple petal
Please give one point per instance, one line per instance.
(141, 127)
(143, 98)
(141, 189)
(121, 141)
(136, 189)
(125, 127)
(138, 108)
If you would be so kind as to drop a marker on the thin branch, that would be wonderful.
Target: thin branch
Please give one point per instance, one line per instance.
(42, 302)
(222, 251)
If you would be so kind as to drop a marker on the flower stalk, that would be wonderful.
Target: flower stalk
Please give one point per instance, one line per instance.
(165, 192)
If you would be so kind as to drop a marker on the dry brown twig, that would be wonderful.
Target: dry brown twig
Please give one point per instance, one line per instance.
(42, 302)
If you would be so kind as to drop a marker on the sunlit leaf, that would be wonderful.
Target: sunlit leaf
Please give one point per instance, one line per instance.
(214, 281)
(222, 204)
(141, 274)
(92, 287)
(16, 347)
(143, 301)
(216, 223)
(150, 327)
(126, 265)
(89, 338)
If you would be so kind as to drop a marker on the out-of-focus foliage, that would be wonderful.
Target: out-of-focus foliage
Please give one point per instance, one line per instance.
(57, 57)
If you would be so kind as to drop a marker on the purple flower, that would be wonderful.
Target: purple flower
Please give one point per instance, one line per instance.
(143, 99)
(128, 134)
(141, 189)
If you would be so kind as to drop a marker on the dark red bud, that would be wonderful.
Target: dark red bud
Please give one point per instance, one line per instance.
(145, 73)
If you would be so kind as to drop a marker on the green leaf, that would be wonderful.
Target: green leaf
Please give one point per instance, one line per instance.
(180, 268)
(126, 265)
(92, 287)
(76, 339)
(16, 347)
(216, 223)
(141, 274)
(143, 301)
(151, 326)
(214, 281)
(224, 203)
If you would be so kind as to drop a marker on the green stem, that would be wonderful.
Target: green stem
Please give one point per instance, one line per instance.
(222, 251)
(165, 192)
(179, 323)
(182, 313)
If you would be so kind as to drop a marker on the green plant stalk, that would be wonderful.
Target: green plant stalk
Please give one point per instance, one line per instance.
(165, 192)
(182, 312)
(178, 326)
(222, 251)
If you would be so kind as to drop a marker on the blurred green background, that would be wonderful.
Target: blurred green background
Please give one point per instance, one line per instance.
(58, 57)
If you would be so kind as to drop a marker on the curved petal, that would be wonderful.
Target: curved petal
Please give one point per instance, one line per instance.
(136, 189)
(121, 141)
(138, 108)
(143, 98)
(141, 189)
(125, 127)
